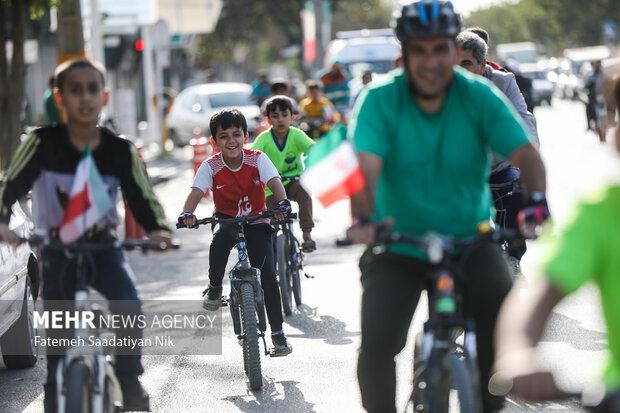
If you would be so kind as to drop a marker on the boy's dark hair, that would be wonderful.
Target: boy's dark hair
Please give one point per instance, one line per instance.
(278, 102)
(312, 84)
(278, 86)
(226, 118)
(484, 35)
(65, 67)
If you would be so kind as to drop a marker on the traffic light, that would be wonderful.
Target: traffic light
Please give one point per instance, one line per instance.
(139, 45)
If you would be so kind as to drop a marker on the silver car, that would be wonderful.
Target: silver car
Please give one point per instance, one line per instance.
(194, 106)
(19, 281)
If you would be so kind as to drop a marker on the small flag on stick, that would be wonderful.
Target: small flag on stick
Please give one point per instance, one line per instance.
(89, 200)
(332, 168)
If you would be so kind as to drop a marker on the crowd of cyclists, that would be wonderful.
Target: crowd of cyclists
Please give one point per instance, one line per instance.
(430, 138)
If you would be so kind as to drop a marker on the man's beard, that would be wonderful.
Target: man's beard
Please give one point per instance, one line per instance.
(417, 93)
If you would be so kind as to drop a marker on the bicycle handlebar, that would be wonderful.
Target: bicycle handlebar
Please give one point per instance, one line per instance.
(232, 220)
(437, 245)
(96, 246)
(504, 185)
(290, 178)
(291, 216)
(447, 243)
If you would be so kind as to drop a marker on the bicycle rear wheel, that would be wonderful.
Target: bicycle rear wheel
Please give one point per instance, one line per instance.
(78, 382)
(251, 351)
(284, 274)
(295, 272)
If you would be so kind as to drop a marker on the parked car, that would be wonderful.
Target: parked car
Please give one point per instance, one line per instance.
(19, 281)
(542, 87)
(194, 106)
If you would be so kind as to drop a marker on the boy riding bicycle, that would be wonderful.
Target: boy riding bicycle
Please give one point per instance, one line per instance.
(284, 145)
(46, 163)
(237, 177)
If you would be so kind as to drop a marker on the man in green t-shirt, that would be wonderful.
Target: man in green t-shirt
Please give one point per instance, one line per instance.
(284, 145)
(586, 251)
(423, 137)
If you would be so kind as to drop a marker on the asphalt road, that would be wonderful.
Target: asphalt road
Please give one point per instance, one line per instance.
(319, 376)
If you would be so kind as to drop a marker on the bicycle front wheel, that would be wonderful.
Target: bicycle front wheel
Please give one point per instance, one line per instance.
(78, 380)
(456, 389)
(284, 274)
(251, 351)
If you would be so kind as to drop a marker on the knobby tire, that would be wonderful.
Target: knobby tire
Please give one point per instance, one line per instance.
(284, 274)
(251, 350)
(295, 276)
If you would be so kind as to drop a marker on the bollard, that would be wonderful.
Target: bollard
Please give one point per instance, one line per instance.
(133, 230)
(202, 150)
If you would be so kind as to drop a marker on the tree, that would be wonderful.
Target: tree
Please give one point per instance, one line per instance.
(556, 23)
(264, 28)
(14, 18)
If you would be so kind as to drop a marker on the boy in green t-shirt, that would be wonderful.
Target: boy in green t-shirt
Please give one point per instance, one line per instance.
(284, 145)
(586, 251)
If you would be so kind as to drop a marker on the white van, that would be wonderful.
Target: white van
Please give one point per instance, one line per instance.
(361, 50)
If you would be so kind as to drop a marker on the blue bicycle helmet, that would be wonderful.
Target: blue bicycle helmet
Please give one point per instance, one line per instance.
(427, 18)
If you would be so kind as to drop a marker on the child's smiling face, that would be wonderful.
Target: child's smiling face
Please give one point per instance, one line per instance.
(230, 141)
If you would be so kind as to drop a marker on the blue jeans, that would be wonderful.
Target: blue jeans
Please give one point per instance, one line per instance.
(508, 207)
(113, 279)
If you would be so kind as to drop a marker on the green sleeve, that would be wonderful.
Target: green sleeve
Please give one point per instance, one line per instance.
(259, 143)
(368, 124)
(504, 128)
(303, 141)
(574, 257)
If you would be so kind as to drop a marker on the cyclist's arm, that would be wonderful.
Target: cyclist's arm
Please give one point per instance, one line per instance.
(17, 181)
(516, 98)
(362, 202)
(194, 197)
(528, 160)
(520, 326)
(139, 193)
(275, 185)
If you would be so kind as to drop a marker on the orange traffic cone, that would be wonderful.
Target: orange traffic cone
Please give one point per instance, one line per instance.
(202, 150)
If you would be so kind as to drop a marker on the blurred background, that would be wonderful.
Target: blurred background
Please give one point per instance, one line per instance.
(154, 49)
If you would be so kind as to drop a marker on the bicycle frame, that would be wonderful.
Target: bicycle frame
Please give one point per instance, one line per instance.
(243, 273)
(438, 358)
(106, 391)
(98, 363)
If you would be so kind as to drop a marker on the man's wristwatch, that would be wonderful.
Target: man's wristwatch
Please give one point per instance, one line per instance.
(538, 198)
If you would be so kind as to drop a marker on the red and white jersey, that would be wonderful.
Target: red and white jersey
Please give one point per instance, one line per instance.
(237, 192)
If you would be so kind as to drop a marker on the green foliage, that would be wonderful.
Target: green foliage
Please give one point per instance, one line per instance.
(38, 7)
(263, 28)
(557, 24)
(362, 14)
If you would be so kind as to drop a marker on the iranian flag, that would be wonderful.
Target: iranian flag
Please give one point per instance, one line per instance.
(88, 202)
(332, 168)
